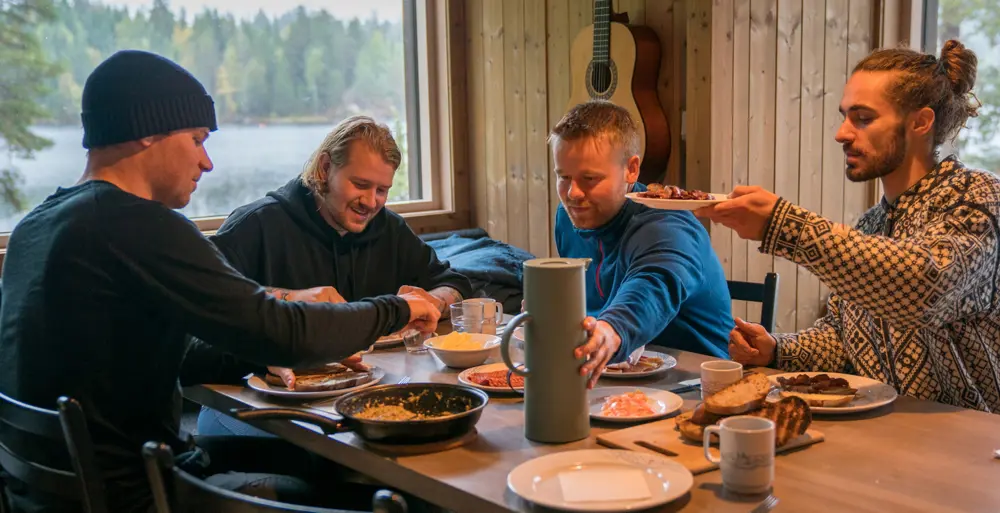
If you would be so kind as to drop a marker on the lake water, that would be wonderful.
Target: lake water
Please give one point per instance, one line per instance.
(249, 162)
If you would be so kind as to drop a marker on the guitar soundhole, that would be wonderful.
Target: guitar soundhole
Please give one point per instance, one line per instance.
(603, 79)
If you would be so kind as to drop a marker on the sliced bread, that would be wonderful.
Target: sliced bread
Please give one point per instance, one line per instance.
(791, 417)
(826, 400)
(689, 430)
(745, 395)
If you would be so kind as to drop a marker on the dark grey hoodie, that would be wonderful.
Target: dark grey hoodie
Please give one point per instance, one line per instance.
(281, 240)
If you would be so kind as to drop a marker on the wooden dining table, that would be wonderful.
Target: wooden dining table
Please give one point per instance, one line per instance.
(912, 455)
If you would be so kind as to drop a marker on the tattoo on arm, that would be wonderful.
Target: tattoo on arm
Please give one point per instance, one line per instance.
(277, 293)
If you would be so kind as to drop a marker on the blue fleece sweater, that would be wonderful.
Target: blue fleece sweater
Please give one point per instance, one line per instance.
(654, 278)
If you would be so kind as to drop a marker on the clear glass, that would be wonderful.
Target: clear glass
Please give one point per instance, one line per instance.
(282, 74)
(467, 317)
(413, 341)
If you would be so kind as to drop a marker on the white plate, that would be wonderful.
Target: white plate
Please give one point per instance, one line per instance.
(463, 377)
(537, 480)
(677, 204)
(871, 393)
(257, 383)
(669, 362)
(662, 402)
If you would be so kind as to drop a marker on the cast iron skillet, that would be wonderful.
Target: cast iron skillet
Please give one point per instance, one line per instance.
(463, 402)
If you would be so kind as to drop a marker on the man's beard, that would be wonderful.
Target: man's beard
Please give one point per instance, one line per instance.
(884, 162)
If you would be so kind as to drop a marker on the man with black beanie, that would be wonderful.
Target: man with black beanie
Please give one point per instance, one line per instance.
(103, 282)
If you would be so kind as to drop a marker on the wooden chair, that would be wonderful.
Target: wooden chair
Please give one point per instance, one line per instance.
(176, 491)
(66, 427)
(765, 293)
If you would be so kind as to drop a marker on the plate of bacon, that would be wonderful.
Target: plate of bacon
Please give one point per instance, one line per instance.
(492, 378)
(631, 404)
(650, 363)
(671, 197)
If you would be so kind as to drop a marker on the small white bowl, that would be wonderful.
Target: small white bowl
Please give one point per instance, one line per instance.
(465, 358)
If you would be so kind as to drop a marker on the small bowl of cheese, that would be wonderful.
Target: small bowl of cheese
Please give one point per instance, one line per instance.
(463, 350)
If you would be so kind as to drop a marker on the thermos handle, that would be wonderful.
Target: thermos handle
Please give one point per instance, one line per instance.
(508, 332)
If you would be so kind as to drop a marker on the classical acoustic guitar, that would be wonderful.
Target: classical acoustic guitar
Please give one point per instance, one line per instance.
(620, 63)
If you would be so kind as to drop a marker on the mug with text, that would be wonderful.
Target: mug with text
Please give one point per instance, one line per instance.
(746, 450)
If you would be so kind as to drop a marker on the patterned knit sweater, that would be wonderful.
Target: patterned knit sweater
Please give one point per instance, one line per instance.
(914, 300)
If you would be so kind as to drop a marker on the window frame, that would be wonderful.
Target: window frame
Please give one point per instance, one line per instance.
(430, 110)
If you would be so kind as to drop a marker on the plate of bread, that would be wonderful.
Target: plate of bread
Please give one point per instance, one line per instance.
(329, 381)
(830, 392)
(748, 396)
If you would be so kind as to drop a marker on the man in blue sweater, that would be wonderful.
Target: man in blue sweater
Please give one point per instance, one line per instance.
(653, 277)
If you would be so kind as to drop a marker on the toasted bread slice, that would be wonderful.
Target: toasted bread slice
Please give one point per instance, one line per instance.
(791, 417)
(745, 395)
(689, 430)
(323, 382)
(826, 400)
(333, 376)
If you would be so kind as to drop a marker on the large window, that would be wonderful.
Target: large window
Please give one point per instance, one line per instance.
(976, 23)
(282, 75)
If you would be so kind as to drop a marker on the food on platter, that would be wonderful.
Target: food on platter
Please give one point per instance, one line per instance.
(745, 395)
(818, 390)
(645, 364)
(658, 191)
(791, 417)
(496, 378)
(333, 376)
(630, 404)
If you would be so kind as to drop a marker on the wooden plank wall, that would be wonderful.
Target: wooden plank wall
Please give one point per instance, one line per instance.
(761, 102)
(518, 87)
(783, 64)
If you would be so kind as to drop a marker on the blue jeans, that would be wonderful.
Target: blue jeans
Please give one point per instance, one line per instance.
(215, 423)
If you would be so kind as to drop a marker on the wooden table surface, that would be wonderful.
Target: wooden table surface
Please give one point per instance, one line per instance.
(913, 456)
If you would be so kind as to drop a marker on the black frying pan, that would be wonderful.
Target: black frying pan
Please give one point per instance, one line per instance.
(462, 404)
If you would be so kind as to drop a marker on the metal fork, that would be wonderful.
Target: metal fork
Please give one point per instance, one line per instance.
(767, 505)
(403, 380)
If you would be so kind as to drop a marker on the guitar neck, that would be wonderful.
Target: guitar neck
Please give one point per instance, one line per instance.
(602, 31)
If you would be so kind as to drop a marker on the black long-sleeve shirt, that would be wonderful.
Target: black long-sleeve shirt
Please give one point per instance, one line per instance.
(100, 290)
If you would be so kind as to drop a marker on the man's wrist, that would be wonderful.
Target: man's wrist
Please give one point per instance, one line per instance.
(277, 293)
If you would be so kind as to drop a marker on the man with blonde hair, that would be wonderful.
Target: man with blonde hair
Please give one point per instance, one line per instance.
(326, 228)
(653, 277)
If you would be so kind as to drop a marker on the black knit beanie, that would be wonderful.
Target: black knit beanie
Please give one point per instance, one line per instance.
(135, 94)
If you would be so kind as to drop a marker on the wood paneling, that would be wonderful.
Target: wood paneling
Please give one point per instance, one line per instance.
(519, 82)
(788, 106)
(722, 118)
(759, 82)
(790, 60)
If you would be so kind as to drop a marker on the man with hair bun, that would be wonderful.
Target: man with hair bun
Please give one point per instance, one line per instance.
(915, 298)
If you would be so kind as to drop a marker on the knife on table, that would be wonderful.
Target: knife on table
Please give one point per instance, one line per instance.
(686, 386)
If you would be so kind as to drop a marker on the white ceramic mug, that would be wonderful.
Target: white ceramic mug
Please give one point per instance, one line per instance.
(746, 447)
(492, 313)
(718, 374)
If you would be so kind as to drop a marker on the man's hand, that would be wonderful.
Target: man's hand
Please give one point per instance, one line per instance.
(424, 313)
(751, 344)
(439, 303)
(286, 375)
(747, 212)
(602, 344)
(313, 295)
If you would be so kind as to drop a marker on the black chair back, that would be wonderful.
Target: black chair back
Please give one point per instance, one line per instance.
(176, 491)
(765, 293)
(66, 427)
